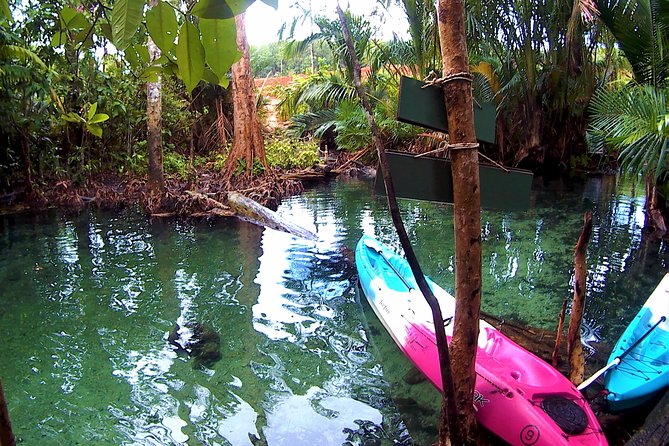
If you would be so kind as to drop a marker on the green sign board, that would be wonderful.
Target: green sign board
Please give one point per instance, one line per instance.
(425, 107)
(428, 178)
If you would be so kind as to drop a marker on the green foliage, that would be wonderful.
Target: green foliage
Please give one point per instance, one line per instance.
(216, 9)
(176, 164)
(288, 153)
(187, 60)
(5, 12)
(126, 16)
(90, 120)
(353, 130)
(256, 170)
(276, 59)
(219, 158)
(190, 55)
(220, 55)
(161, 23)
(352, 127)
(634, 123)
(641, 29)
(138, 162)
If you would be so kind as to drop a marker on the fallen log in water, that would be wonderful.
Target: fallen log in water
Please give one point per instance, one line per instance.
(248, 210)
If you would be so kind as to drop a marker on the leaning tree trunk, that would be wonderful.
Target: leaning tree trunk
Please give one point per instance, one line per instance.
(449, 428)
(574, 346)
(247, 145)
(154, 137)
(466, 208)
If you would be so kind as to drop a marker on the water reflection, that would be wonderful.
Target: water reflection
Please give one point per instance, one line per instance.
(316, 418)
(88, 302)
(238, 425)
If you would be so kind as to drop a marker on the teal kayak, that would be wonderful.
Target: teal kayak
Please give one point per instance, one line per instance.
(642, 354)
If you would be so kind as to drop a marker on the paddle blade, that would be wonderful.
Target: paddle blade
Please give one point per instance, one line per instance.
(598, 373)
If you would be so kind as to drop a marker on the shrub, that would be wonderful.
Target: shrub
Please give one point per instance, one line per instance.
(290, 153)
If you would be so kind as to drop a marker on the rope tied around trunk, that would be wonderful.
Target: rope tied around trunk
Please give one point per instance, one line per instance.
(462, 146)
(445, 145)
(433, 80)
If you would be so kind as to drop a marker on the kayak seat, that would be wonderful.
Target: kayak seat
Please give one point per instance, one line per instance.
(568, 415)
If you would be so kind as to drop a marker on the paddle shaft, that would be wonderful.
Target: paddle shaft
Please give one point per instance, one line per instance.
(618, 359)
(378, 250)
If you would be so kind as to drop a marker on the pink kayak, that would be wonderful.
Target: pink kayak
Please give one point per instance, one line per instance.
(518, 396)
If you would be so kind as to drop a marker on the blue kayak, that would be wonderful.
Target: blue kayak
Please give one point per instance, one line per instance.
(642, 353)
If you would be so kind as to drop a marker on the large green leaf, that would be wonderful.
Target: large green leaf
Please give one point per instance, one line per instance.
(142, 53)
(151, 74)
(71, 117)
(210, 76)
(5, 11)
(219, 38)
(125, 17)
(190, 55)
(220, 9)
(84, 38)
(98, 117)
(58, 39)
(133, 58)
(92, 110)
(94, 129)
(72, 19)
(161, 21)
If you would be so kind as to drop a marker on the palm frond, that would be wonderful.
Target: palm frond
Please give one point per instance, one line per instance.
(633, 122)
(15, 74)
(312, 122)
(20, 54)
(641, 31)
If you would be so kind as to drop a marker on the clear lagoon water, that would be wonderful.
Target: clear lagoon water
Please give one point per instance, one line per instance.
(88, 302)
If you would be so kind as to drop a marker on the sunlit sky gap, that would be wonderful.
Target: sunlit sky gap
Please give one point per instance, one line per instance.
(263, 22)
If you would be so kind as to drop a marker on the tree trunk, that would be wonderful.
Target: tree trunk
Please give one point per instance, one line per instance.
(25, 155)
(655, 217)
(574, 346)
(247, 144)
(154, 138)
(6, 434)
(466, 209)
(449, 429)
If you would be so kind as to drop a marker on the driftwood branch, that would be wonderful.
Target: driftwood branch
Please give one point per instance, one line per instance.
(555, 359)
(574, 346)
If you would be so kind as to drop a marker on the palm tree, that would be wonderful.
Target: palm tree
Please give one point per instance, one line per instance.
(313, 103)
(543, 56)
(630, 120)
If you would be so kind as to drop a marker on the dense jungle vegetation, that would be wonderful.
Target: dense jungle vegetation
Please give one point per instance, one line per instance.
(577, 85)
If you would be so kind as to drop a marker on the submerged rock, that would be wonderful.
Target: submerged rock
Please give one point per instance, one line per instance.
(198, 341)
